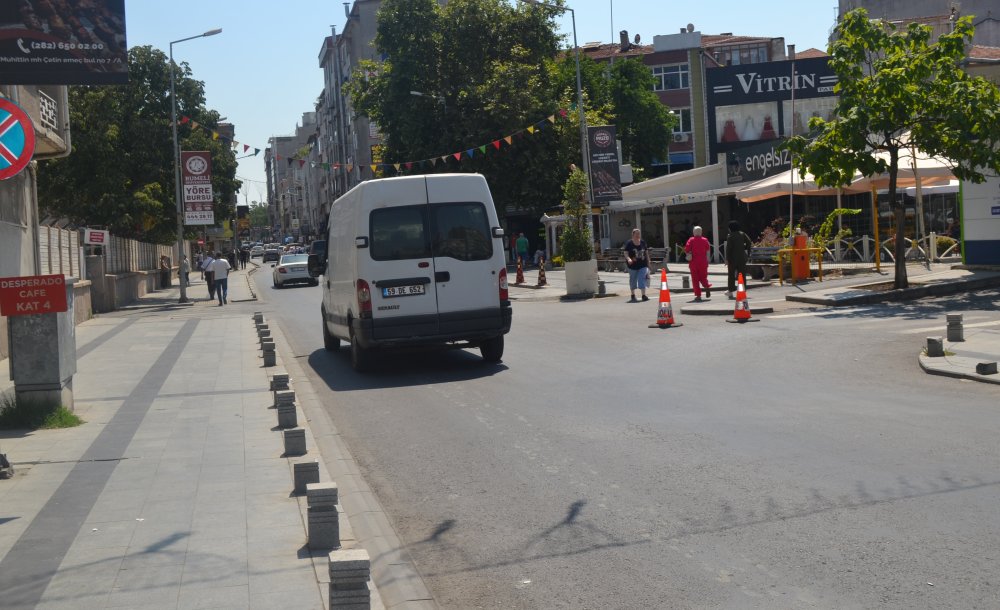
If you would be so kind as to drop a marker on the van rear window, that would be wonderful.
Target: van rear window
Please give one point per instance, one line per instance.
(455, 230)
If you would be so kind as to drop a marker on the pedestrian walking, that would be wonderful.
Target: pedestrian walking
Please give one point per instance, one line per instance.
(697, 248)
(220, 271)
(208, 274)
(637, 260)
(244, 257)
(737, 253)
(522, 248)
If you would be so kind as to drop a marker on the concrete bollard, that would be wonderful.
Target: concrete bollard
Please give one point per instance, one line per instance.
(258, 317)
(264, 334)
(286, 397)
(279, 380)
(270, 359)
(323, 515)
(955, 331)
(305, 473)
(986, 368)
(350, 570)
(295, 442)
(686, 281)
(935, 347)
(287, 417)
(267, 345)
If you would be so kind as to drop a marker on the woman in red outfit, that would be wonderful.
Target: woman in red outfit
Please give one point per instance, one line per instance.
(697, 248)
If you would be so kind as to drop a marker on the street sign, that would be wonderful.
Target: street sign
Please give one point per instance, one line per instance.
(17, 139)
(33, 294)
(196, 181)
(95, 237)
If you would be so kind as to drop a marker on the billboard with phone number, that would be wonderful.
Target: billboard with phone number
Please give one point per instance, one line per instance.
(63, 42)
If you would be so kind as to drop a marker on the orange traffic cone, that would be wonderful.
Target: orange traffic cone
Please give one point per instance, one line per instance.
(742, 312)
(519, 279)
(665, 314)
(541, 272)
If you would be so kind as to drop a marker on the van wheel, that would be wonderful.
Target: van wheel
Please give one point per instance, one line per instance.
(492, 349)
(360, 357)
(330, 343)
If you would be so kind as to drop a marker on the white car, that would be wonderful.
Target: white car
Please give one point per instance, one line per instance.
(256, 251)
(293, 268)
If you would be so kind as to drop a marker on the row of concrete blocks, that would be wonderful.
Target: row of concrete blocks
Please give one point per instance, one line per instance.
(264, 337)
(956, 334)
(349, 569)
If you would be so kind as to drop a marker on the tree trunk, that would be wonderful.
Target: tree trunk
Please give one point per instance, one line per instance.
(899, 249)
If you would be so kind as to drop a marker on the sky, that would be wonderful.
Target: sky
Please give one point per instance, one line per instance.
(262, 72)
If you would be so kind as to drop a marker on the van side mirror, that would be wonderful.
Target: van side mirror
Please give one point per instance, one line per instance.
(497, 232)
(315, 265)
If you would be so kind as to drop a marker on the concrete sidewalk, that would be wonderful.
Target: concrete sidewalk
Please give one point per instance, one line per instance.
(174, 493)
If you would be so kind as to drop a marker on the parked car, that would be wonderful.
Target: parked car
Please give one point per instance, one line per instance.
(271, 254)
(318, 248)
(293, 269)
(256, 251)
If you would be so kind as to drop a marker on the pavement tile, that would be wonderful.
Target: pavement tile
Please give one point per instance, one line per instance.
(111, 534)
(215, 598)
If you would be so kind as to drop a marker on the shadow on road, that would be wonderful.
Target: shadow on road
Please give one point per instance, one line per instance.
(401, 369)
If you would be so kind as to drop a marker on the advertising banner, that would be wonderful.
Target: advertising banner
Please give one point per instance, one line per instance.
(196, 185)
(96, 237)
(605, 178)
(752, 163)
(63, 42)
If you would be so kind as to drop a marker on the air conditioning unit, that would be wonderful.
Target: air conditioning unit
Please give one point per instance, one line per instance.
(682, 137)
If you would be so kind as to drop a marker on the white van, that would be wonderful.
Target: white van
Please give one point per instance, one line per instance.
(412, 262)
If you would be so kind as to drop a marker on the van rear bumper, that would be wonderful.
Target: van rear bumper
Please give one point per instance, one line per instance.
(466, 326)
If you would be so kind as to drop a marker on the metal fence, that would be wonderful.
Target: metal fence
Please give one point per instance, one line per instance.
(60, 252)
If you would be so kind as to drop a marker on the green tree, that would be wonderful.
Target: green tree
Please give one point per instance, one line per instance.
(576, 241)
(120, 174)
(258, 215)
(644, 124)
(898, 90)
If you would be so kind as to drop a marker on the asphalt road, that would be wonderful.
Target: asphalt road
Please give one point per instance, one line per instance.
(801, 461)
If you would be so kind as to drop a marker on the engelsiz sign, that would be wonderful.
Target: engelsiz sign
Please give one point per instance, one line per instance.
(21, 296)
(756, 162)
(63, 42)
(196, 183)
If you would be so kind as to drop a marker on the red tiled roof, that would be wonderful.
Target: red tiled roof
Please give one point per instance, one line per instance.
(606, 51)
(811, 53)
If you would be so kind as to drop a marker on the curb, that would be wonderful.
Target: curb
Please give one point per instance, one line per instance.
(954, 369)
(904, 294)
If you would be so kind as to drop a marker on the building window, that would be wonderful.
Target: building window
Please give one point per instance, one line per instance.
(670, 77)
(684, 123)
(742, 54)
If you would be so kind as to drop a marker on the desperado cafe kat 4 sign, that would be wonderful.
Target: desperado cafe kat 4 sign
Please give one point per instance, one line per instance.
(21, 296)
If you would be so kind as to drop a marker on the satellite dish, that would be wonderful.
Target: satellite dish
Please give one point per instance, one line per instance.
(636, 39)
(690, 27)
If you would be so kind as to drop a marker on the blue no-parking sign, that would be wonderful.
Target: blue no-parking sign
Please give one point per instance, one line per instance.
(17, 139)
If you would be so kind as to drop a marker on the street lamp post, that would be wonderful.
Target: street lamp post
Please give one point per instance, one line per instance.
(177, 158)
(579, 96)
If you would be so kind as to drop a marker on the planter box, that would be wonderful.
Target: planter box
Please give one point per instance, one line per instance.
(581, 278)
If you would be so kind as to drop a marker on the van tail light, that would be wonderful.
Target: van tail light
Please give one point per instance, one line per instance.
(504, 292)
(364, 299)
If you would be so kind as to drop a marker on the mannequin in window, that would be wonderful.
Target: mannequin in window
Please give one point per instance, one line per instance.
(729, 132)
(749, 130)
(768, 132)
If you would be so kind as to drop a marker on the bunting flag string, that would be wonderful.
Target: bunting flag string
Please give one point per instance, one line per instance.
(470, 153)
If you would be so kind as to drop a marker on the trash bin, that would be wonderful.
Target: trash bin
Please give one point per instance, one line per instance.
(800, 258)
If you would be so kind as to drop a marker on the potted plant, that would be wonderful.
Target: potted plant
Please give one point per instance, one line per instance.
(576, 245)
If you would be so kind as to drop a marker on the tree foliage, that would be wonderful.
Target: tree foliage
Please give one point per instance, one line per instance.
(644, 124)
(576, 244)
(487, 69)
(898, 91)
(120, 174)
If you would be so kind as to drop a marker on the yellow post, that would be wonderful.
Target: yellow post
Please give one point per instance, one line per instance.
(878, 244)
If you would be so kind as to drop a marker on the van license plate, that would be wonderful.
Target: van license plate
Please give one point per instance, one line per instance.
(402, 291)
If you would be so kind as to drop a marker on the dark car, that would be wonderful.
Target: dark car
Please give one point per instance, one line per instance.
(318, 248)
(271, 254)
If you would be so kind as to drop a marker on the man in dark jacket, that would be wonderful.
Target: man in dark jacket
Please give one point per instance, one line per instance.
(737, 253)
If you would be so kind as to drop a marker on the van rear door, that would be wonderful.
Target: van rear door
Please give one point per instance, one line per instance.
(400, 272)
(467, 261)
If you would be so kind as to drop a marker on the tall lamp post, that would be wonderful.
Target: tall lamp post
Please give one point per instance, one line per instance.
(177, 158)
(579, 95)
